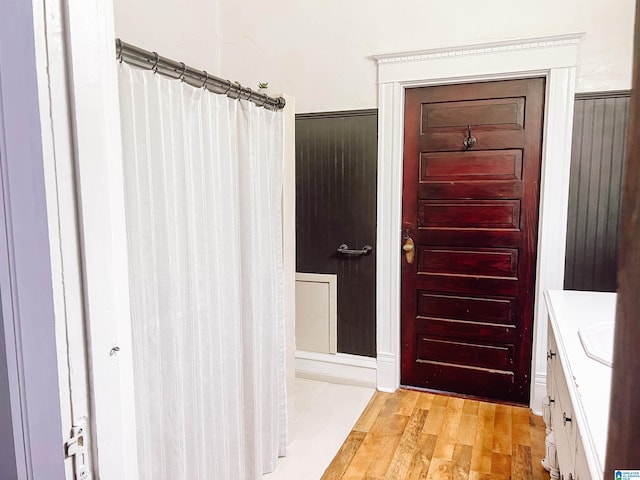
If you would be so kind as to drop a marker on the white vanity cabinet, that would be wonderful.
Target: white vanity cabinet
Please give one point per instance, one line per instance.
(579, 348)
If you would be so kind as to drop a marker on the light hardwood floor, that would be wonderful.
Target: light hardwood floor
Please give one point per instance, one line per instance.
(415, 435)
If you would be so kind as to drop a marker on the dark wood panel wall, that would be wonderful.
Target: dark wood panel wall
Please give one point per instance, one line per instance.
(336, 165)
(597, 159)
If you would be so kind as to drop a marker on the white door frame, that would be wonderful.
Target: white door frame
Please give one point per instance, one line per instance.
(95, 110)
(554, 58)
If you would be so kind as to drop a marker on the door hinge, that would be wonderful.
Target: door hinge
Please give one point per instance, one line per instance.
(76, 447)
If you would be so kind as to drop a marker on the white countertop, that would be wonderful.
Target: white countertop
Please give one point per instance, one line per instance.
(568, 312)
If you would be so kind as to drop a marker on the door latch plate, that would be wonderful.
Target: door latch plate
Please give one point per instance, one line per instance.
(76, 447)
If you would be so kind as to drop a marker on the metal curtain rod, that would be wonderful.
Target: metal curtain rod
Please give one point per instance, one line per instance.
(197, 78)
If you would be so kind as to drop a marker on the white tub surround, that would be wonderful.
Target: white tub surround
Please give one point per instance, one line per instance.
(554, 58)
(578, 385)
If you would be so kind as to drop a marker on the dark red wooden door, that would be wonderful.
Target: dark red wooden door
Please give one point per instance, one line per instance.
(472, 212)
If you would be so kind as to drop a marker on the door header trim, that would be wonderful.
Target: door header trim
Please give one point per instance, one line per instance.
(484, 60)
(552, 41)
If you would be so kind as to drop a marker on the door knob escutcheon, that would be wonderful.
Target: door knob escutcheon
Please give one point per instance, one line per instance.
(409, 249)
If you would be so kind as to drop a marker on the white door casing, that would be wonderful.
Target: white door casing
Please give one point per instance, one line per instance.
(100, 195)
(554, 58)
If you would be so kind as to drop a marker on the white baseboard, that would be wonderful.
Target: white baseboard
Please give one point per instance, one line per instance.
(337, 368)
(538, 392)
(388, 378)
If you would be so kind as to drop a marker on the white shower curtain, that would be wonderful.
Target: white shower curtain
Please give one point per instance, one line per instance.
(203, 189)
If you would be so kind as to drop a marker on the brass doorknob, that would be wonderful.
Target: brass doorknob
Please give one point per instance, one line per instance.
(409, 249)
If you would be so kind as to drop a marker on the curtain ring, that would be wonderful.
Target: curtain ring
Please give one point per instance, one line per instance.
(251, 92)
(184, 70)
(206, 79)
(157, 60)
(229, 84)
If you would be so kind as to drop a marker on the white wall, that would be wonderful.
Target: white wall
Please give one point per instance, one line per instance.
(317, 50)
(183, 30)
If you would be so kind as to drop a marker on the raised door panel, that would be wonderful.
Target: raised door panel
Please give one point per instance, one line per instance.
(470, 214)
(502, 113)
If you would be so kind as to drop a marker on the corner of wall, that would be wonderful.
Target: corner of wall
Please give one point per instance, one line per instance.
(289, 254)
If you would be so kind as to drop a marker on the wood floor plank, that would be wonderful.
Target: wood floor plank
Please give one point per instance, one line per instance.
(393, 404)
(483, 443)
(448, 432)
(387, 436)
(440, 469)
(385, 427)
(467, 429)
(435, 419)
(470, 407)
(424, 454)
(502, 429)
(520, 431)
(501, 464)
(440, 400)
(521, 463)
(473, 475)
(459, 439)
(408, 402)
(361, 459)
(404, 457)
(371, 412)
(537, 432)
(425, 400)
(367, 451)
(461, 461)
(344, 456)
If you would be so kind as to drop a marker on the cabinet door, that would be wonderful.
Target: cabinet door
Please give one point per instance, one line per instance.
(563, 423)
(581, 468)
(552, 359)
